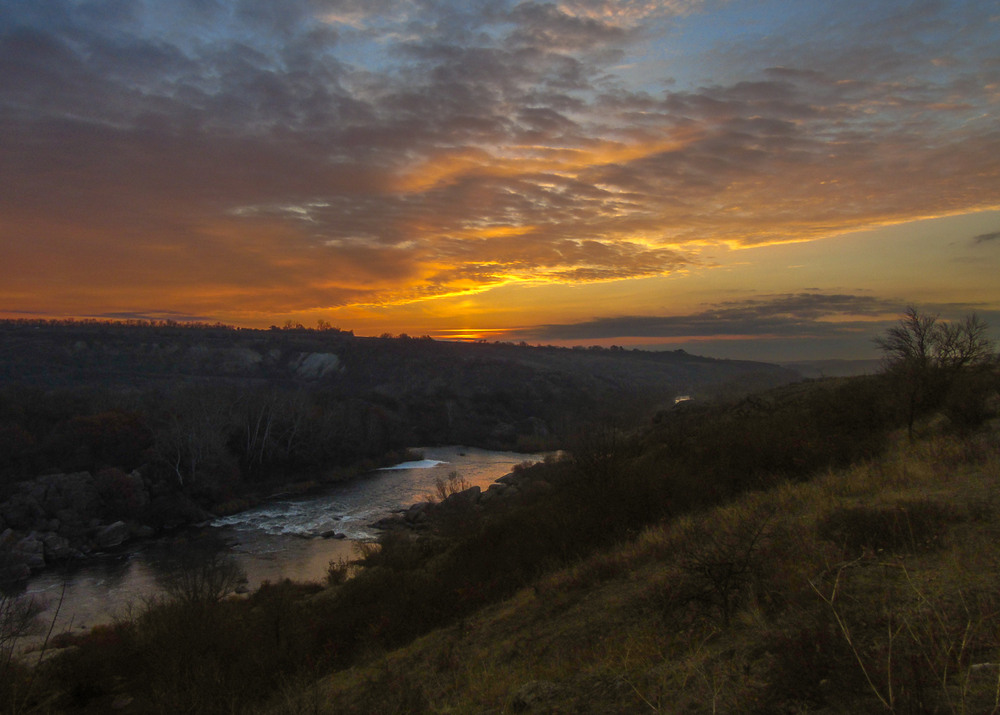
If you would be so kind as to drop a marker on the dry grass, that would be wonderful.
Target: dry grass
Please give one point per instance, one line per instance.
(815, 625)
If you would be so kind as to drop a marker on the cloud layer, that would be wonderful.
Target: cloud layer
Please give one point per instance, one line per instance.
(270, 156)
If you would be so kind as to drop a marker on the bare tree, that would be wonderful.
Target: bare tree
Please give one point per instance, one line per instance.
(926, 355)
(909, 344)
(964, 344)
(191, 434)
(202, 579)
(18, 619)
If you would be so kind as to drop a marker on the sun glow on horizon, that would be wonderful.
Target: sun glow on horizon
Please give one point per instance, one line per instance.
(581, 173)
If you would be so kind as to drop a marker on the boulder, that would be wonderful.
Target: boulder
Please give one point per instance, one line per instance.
(390, 523)
(142, 531)
(174, 510)
(123, 495)
(312, 366)
(11, 571)
(417, 512)
(493, 492)
(466, 497)
(22, 512)
(112, 535)
(76, 492)
(58, 548)
(30, 551)
(7, 539)
(140, 491)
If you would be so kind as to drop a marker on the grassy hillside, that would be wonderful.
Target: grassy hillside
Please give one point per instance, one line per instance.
(869, 588)
(789, 551)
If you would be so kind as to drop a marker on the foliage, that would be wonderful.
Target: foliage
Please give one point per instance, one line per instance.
(190, 655)
(907, 634)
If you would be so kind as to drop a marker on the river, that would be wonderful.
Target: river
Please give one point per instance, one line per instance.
(278, 539)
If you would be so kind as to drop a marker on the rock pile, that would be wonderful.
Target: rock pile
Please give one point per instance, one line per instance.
(58, 517)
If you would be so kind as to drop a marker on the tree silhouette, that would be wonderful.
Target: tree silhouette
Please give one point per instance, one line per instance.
(926, 355)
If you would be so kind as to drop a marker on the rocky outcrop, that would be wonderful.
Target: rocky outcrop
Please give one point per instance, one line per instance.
(58, 517)
(112, 535)
(30, 551)
(313, 366)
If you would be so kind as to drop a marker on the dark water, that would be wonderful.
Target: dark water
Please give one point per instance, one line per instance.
(277, 540)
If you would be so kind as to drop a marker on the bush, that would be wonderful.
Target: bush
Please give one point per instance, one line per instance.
(907, 527)
(972, 399)
(202, 579)
(195, 654)
(721, 562)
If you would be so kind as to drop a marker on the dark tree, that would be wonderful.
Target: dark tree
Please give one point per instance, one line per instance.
(926, 355)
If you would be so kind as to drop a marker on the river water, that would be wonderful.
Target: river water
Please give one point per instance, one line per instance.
(276, 540)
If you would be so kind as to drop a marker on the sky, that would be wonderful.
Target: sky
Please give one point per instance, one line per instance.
(762, 179)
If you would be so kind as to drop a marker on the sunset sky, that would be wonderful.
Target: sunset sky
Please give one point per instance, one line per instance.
(770, 179)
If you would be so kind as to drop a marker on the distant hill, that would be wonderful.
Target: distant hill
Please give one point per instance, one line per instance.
(833, 368)
(440, 384)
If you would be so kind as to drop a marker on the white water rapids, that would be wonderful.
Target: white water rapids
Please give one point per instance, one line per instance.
(278, 539)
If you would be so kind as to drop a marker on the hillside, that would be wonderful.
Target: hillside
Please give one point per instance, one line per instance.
(698, 564)
(421, 391)
(59, 354)
(867, 589)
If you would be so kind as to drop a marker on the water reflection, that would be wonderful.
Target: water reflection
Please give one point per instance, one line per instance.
(275, 541)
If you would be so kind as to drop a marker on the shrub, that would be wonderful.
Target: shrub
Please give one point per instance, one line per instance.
(455, 483)
(807, 658)
(203, 579)
(722, 562)
(916, 650)
(972, 399)
(907, 527)
(337, 572)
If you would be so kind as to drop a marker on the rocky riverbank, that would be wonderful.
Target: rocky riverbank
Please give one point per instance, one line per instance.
(60, 517)
(427, 515)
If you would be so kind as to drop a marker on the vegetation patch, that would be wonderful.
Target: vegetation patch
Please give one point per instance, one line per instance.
(906, 527)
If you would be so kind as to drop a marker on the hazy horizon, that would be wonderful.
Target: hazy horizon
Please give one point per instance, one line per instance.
(770, 180)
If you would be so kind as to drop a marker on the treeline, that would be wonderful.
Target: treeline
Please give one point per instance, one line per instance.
(169, 323)
(215, 406)
(202, 437)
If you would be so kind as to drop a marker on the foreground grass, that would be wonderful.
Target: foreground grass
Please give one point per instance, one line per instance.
(873, 588)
